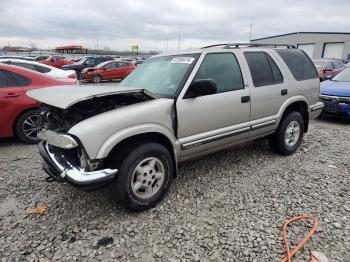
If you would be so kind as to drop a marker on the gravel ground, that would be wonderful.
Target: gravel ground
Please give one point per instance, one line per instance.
(229, 206)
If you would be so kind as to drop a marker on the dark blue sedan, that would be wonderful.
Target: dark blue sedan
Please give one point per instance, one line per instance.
(335, 93)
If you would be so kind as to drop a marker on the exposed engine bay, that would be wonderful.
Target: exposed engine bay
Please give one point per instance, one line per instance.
(61, 120)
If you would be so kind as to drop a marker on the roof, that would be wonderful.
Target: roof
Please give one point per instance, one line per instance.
(69, 47)
(299, 33)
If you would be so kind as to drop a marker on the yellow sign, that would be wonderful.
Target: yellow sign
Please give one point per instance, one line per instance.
(135, 48)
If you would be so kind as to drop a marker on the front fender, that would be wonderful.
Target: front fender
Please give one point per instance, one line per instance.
(125, 133)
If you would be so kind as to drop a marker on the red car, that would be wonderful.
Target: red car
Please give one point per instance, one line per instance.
(327, 68)
(108, 70)
(19, 113)
(56, 61)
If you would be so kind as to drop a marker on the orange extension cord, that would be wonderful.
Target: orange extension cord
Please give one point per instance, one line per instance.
(290, 254)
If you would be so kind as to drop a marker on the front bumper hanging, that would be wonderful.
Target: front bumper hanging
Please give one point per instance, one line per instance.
(59, 167)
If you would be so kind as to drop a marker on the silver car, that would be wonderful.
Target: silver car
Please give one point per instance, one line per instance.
(171, 109)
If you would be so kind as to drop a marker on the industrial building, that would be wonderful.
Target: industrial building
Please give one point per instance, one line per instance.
(315, 44)
(71, 49)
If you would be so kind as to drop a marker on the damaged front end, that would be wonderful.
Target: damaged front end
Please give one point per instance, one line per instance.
(64, 157)
(65, 165)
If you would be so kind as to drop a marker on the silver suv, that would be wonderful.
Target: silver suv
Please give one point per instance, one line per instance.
(173, 108)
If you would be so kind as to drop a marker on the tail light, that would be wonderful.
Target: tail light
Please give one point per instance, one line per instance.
(72, 76)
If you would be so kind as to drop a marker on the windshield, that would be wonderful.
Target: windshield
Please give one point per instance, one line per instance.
(161, 75)
(82, 61)
(103, 64)
(343, 76)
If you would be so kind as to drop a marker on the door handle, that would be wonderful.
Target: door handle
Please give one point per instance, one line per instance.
(284, 92)
(11, 95)
(245, 99)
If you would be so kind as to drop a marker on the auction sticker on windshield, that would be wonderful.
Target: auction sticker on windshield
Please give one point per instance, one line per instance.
(182, 60)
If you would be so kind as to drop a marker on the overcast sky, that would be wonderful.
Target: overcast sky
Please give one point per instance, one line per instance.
(119, 24)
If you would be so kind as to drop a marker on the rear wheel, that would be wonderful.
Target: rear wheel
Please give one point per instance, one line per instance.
(289, 134)
(144, 177)
(27, 126)
(96, 79)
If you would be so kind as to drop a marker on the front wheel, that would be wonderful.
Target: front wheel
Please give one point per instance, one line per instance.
(289, 134)
(96, 79)
(144, 177)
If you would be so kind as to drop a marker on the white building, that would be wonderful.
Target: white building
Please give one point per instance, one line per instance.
(315, 44)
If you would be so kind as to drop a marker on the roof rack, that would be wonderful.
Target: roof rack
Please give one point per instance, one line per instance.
(238, 45)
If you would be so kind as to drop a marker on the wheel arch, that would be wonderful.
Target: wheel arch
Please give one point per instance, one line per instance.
(97, 74)
(300, 106)
(123, 147)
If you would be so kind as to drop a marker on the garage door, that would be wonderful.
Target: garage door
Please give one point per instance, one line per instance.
(308, 49)
(333, 50)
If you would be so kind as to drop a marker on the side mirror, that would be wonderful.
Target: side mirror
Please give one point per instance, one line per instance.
(104, 69)
(201, 87)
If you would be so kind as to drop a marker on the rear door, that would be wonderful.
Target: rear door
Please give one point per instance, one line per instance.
(269, 89)
(111, 70)
(209, 122)
(124, 69)
(12, 90)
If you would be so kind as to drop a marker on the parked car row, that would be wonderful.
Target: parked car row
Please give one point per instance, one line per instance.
(88, 68)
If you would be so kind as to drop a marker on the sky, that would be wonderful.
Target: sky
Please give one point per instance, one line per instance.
(156, 24)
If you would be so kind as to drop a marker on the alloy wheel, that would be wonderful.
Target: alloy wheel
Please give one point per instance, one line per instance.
(31, 126)
(292, 133)
(148, 177)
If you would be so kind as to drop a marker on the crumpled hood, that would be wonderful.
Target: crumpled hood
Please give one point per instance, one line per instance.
(66, 96)
(334, 88)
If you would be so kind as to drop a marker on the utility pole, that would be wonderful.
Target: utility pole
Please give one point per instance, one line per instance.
(178, 46)
(250, 33)
(167, 44)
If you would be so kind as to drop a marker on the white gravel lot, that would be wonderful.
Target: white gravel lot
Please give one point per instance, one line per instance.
(229, 206)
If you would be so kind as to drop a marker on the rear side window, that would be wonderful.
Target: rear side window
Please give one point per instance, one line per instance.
(263, 69)
(224, 69)
(337, 65)
(3, 79)
(25, 65)
(298, 63)
(42, 69)
(111, 65)
(14, 79)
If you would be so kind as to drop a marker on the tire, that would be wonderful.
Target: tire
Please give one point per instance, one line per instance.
(96, 79)
(137, 175)
(27, 126)
(289, 134)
